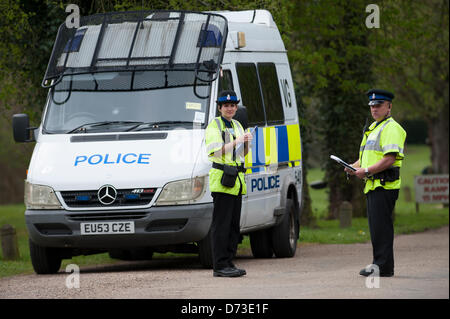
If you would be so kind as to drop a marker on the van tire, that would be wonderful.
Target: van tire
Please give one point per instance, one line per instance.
(45, 260)
(285, 234)
(205, 253)
(261, 243)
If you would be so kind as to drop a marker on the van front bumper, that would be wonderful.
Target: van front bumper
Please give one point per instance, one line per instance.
(155, 226)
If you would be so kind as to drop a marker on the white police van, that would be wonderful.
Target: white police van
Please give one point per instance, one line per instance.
(120, 165)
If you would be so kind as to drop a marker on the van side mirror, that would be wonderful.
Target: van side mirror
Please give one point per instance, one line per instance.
(22, 129)
(241, 116)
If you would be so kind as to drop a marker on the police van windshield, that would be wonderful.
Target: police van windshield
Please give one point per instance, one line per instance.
(91, 103)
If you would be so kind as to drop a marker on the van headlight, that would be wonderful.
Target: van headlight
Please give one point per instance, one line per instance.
(40, 197)
(182, 192)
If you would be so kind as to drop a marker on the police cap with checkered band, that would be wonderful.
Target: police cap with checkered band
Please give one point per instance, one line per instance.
(227, 96)
(377, 96)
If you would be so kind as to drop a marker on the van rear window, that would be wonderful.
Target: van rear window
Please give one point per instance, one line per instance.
(271, 93)
(251, 93)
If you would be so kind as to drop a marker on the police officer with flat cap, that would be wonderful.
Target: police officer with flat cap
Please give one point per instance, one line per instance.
(380, 158)
(226, 182)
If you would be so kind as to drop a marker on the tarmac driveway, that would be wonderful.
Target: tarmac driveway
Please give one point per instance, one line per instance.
(317, 271)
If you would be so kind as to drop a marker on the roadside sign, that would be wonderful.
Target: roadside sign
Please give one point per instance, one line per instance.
(431, 188)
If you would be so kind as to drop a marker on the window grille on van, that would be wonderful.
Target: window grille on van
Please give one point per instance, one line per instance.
(140, 41)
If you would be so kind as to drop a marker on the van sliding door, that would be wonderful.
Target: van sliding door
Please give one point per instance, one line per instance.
(259, 197)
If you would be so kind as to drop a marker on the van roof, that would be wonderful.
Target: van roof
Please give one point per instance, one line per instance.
(249, 16)
(261, 31)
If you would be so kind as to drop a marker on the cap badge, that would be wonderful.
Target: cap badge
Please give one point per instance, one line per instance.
(373, 96)
(228, 97)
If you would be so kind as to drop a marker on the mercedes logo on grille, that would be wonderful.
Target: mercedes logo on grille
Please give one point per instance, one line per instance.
(107, 194)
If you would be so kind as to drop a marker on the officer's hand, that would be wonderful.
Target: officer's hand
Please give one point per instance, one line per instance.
(360, 173)
(244, 138)
(240, 139)
(348, 171)
(248, 137)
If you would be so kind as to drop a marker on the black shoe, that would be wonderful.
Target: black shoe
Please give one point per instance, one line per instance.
(227, 272)
(366, 273)
(242, 271)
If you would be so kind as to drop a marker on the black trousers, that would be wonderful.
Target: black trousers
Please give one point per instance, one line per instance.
(225, 230)
(380, 205)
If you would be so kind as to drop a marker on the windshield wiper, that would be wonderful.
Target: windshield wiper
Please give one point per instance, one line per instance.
(156, 124)
(84, 127)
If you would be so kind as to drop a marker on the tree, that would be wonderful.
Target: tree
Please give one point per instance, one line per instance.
(334, 62)
(14, 28)
(413, 50)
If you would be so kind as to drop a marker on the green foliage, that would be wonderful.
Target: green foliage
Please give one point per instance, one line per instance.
(413, 49)
(13, 30)
(27, 32)
(14, 27)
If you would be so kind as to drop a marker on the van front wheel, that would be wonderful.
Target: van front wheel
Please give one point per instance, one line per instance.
(45, 260)
(285, 234)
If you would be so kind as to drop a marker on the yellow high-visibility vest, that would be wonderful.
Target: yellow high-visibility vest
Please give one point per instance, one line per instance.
(214, 142)
(380, 139)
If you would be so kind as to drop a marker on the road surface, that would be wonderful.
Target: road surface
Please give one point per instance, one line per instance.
(317, 271)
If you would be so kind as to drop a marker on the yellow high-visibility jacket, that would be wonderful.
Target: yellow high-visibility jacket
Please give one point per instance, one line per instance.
(382, 138)
(214, 142)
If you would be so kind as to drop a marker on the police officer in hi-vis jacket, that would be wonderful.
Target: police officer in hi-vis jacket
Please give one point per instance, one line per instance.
(380, 158)
(226, 182)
